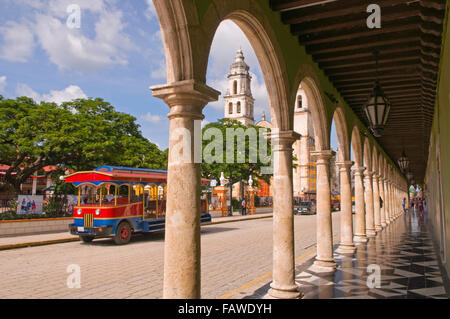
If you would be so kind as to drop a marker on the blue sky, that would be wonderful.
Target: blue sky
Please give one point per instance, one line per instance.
(116, 54)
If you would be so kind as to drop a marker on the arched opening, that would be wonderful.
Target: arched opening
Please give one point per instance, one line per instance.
(257, 27)
(313, 102)
(264, 65)
(340, 144)
(230, 108)
(304, 173)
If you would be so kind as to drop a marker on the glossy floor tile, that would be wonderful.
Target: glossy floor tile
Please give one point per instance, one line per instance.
(402, 254)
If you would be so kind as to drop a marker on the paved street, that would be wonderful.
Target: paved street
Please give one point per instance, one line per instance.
(233, 254)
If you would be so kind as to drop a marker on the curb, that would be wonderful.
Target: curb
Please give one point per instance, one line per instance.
(66, 240)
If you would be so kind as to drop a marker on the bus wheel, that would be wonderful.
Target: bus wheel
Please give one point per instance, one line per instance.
(123, 234)
(87, 239)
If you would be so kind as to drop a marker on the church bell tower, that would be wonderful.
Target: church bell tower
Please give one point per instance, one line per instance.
(239, 102)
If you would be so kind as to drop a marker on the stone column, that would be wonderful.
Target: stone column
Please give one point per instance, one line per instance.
(396, 202)
(360, 210)
(376, 203)
(346, 246)
(388, 201)
(186, 100)
(368, 197)
(383, 198)
(391, 203)
(394, 205)
(324, 262)
(283, 284)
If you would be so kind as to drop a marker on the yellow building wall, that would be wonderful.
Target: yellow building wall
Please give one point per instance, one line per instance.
(437, 178)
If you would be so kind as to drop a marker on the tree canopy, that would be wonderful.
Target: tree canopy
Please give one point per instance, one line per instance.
(236, 170)
(80, 135)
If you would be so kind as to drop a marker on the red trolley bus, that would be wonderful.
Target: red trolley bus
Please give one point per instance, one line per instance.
(118, 201)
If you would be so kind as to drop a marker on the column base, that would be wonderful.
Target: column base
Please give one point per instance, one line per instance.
(383, 225)
(378, 228)
(344, 249)
(360, 239)
(291, 292)
(371, 232)
(321, 267)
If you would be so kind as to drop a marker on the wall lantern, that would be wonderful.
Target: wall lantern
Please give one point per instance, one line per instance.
(377, 107)
(403, 162)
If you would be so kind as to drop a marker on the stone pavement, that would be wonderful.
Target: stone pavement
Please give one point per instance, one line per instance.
(12, 242)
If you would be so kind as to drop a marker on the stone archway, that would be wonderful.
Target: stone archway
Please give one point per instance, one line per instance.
(318, 111)
(346, 245)
(187, 41)
(342, 135)
(360, 235)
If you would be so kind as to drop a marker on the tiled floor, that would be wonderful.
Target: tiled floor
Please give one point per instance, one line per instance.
(405, 257)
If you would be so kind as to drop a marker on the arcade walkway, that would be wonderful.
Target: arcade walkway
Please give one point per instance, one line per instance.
(407, 258)
(408, 264)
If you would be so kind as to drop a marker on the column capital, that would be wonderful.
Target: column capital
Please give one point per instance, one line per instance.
(358, 170)
(283, 137)
(185, 98)
(368, 174)
(323, 155)
(282, 140)
(345, 165)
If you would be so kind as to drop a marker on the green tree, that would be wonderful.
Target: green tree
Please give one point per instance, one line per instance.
(235, 171)
(80, 135)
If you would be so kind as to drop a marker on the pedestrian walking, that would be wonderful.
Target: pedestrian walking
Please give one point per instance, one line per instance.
(244, 207)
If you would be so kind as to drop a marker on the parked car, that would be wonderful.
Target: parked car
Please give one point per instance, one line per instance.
(305, 208)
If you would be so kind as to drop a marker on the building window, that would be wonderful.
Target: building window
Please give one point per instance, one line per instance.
(230, 108)
(238, 107)
(235, 87)
(299, 101)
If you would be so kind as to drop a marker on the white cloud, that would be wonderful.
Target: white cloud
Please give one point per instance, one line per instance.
(259, 92)
(152, 118)
(2, 84)
(18, 42)
(100, 42)
(70, 49)
(70, 93)
(25, 90)
(150, 13)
